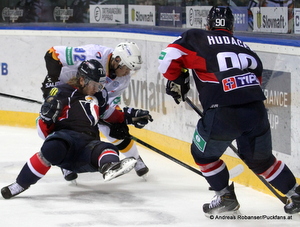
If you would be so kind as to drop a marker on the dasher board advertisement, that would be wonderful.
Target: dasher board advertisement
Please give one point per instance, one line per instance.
(297, 20)
(270, 19)
(141, 15)
(107, 14)
(196, 16)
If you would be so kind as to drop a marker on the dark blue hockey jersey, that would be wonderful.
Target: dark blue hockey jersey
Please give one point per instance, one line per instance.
(79, 112)
(226, 71)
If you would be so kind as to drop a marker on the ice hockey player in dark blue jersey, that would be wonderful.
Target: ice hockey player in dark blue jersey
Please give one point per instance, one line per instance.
(227, 74)
(68, 119)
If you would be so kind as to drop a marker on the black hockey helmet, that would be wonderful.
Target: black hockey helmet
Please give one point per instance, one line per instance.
(91, 70)
(220, 17)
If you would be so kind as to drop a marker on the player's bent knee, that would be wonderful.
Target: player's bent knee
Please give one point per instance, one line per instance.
(260, 166)
(202, 157)
(54, 150)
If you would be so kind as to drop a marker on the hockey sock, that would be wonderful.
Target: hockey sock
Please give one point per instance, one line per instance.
(35, 168)
(216, 174)
(128, 148)
(108, 155)
(280, 176)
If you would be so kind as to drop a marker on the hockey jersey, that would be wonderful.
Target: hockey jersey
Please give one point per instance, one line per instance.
(80, 112)
(226, 71)
(71, 57)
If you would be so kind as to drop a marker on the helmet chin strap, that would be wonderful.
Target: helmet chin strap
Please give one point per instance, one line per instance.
(112, 72)
(119, 66)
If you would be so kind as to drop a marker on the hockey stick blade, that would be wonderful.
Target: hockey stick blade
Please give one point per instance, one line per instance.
(236, 171)
(283, 199)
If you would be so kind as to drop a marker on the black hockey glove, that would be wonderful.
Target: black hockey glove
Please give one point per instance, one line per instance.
(50, 110)
(179, 88)
(138, 117)
(119, 131)
(47, 85)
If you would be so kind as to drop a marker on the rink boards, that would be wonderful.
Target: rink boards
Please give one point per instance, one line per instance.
(173, 125)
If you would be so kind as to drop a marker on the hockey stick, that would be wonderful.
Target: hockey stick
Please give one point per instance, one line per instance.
(283, 199)
(235, 171)
(20, 98)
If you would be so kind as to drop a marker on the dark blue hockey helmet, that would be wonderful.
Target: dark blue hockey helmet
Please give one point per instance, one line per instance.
(220, 17)
(92, 70)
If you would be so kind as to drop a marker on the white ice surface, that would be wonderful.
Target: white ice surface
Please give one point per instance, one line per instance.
(171, 196)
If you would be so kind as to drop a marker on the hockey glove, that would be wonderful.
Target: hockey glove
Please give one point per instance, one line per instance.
(48, 84)
(138, 117)
(119, 131)
(179, 88)
(50, 110)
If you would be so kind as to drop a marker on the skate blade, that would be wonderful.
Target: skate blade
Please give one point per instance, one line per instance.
(74, 182)
(232, 213)
(145, 177)
(126, 166)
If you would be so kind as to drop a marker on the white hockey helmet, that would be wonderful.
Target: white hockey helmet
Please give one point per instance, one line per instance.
(130, 55)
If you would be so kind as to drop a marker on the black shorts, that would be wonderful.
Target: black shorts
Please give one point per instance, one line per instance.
(248, 124)
(78, 153)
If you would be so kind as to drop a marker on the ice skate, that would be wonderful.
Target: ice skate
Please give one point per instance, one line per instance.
(116, 169)
(140, 168)
(12, 190)
(293, 203)
(69, 175)
(223, 202)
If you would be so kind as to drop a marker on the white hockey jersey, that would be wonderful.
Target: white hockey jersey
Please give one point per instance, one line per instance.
(71, 57)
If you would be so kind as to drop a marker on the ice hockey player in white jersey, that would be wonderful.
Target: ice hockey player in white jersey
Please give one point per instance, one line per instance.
(119, 63)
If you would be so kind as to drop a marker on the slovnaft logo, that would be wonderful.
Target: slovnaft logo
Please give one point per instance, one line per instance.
(270, 19)
(273, 22)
